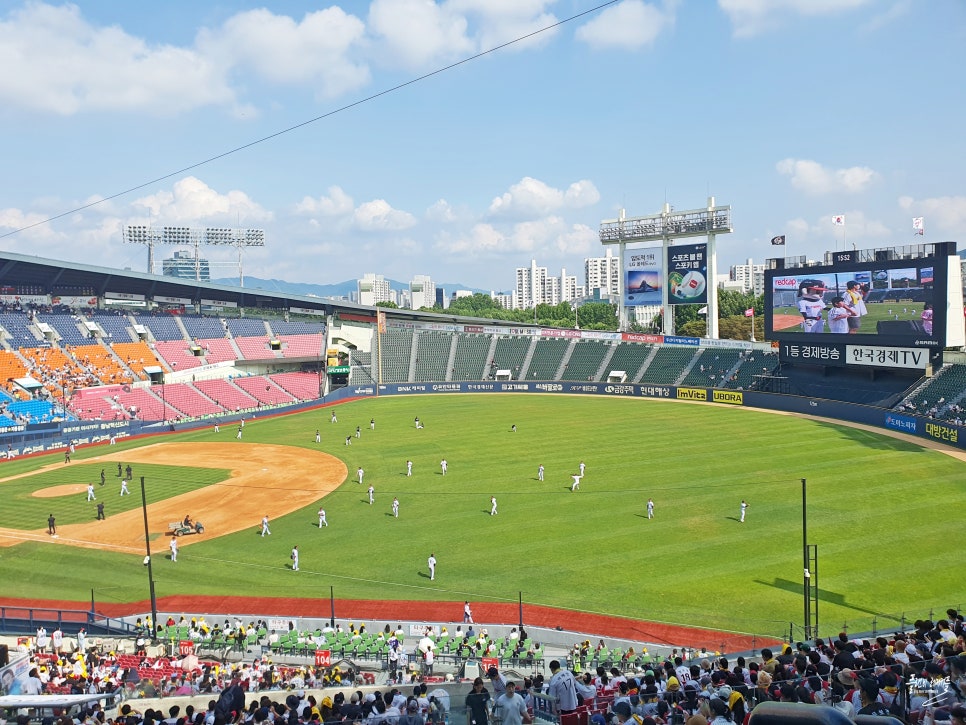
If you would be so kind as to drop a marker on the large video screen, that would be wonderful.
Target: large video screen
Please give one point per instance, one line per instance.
(897, 302)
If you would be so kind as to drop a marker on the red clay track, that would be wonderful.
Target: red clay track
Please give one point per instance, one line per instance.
(581, 623)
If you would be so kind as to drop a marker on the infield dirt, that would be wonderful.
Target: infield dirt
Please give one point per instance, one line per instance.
(265, 479)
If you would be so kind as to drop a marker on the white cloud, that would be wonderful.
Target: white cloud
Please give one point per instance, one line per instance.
(631, 25)
(55, 61)
(312, 52)
(500, 21)
(580, 194)
(752, 17)
(481, 238)
(192, 200)
(417, 32)
(943, 212)
(378, 215)
(532, 197)
(550, 237)
(441, 211)
(813, 178)
(12, 219)
(337, 203)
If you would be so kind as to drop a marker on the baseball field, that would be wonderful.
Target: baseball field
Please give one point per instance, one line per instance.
(882, 510)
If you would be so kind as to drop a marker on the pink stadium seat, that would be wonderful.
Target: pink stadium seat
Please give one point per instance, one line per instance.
(264, 390)
(149, 406)
(302, 345)
(177, 354)
(226, 394)
(217, 350)
(302, 386)
(255, 348)
(189, 400)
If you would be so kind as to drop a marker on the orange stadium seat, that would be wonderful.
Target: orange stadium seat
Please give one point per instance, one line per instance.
(136, 355)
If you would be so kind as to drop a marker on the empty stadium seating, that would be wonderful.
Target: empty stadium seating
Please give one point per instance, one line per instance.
(509, 354)
(203, 327)
(226, 394)
(547, 356)
(246, 327)
(115, 326)
(432, 354)
(629, 357)
(302, 345)
(585, 360)
(217, 349)
(667, 364)
(302, 386)
(188, 400)
(146, 405)
(264, 390)
(296, 327)
(177, 354)
(470, 361)
(161, 327)
(397, 346)
(255, 348)
(360, 368)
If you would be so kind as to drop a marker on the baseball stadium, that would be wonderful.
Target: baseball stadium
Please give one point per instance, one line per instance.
(177, 452)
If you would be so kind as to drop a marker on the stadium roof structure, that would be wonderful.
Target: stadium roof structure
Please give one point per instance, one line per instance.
(55, 276)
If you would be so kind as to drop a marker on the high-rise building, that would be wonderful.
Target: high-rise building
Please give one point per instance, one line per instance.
(569, 289)
(530, 285)
(603, 273)
(373, 288)
(181, 264)
(422, 292)
(503, 299)
(751, 276)
(535, 287)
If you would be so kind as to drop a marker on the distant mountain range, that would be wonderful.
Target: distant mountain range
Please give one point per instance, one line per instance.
(339, 289)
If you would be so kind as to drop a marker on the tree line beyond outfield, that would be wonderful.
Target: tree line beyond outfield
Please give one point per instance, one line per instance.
(732, 323)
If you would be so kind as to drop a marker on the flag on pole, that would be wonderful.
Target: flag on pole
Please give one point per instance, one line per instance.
(750, 312)
(778, 241)
(703, 310)
(838, 220)
(918, 225)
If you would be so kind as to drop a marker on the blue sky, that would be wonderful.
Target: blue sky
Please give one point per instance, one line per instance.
(788, 110)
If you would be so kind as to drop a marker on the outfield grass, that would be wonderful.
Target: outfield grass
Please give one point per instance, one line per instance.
(23, 510)
(879, 509)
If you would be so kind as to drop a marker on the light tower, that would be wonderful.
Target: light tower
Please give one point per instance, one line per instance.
(194, 237)
(666, 227)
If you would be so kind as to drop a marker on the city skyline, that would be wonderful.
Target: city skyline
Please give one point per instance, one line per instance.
(799, 114)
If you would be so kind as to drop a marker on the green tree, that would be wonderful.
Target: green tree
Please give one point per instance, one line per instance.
(388, 305)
